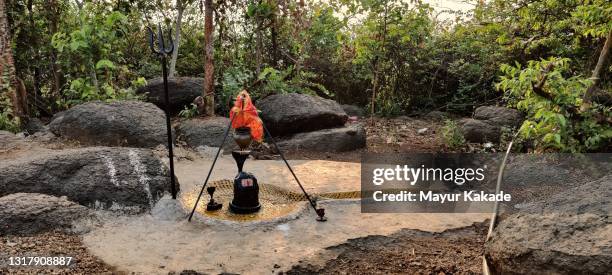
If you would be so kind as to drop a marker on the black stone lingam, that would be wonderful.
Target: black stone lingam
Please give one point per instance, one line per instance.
(246, 189)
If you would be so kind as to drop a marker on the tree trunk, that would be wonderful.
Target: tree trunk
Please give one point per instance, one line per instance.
(375, 81)
(33, 43)
(603, 56)
(7, 66)
(258, 50)
(274, 33)
(209, 80)
(298, 31)
(180, 8)
(55, 70)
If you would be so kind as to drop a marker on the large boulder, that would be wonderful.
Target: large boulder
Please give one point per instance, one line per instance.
(26, 213)
(120, 123)
(286, 114)
(125, 179)
(569, 233)
(341, 139)
(479, 130)
(499, 116)
(207, 132)
(181, 91)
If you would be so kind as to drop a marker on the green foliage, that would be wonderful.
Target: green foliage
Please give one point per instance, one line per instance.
(594, 18)
(288, 81)
(452, 136)
(557, 122)
(7, 121)
(189, 112)
(400, 54)
(99, 74)
(387, 46)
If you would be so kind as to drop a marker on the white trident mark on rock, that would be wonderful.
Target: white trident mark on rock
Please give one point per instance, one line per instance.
(140, 169)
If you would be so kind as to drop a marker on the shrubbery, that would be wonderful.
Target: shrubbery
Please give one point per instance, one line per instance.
(399, 57)
(552, 102)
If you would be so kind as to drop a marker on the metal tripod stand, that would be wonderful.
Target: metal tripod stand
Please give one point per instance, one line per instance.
(320, 211)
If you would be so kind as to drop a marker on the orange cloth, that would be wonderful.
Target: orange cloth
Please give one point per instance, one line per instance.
(246, 115)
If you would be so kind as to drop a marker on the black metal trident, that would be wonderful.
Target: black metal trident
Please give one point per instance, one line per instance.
(162, 53)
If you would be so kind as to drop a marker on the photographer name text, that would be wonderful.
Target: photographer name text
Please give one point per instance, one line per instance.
(430, 196)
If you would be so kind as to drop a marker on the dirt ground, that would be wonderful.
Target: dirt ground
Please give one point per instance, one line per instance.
(455, 251)
(50, 244)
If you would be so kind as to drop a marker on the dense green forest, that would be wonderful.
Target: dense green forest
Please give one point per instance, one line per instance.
(546, 58)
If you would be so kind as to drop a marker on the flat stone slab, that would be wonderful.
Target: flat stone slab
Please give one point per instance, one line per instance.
(342, 139)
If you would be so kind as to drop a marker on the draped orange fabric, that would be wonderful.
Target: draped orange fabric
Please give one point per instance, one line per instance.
(246, 115)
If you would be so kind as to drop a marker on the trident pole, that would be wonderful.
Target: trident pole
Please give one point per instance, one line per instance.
(163, 52)
(169, 128)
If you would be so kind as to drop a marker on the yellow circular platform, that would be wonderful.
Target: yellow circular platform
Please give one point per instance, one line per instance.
(276, 202)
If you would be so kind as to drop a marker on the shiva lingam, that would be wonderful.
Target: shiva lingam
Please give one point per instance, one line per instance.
(246, 189)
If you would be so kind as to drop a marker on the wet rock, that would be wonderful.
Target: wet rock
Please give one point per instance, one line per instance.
(568, 233)
(479, 131)
(27, 213)
(286, 114)
(353, 110)
(499, 116)
(182, 92)
(342, 139)
(123, 179)
(205, 132)
(120, 123)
